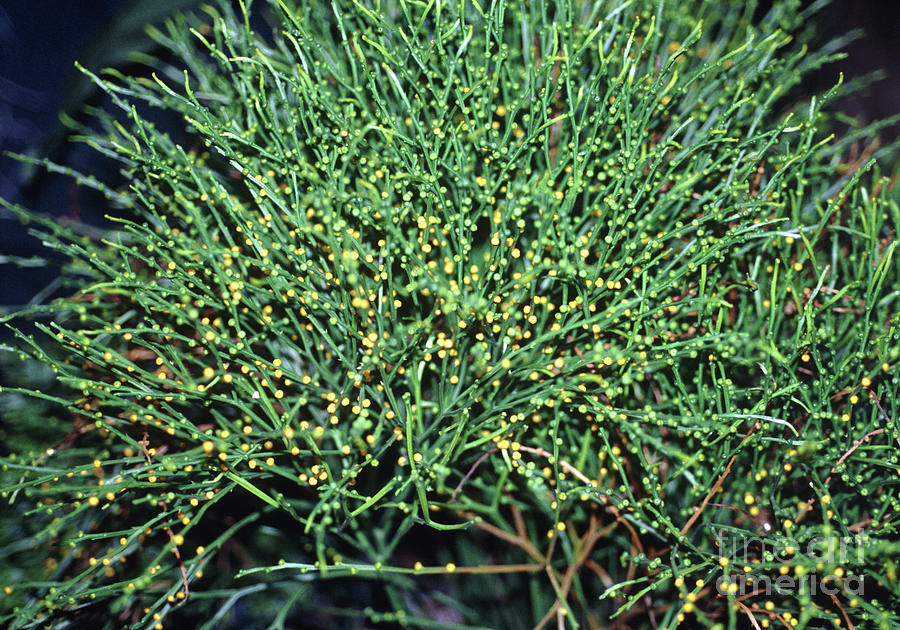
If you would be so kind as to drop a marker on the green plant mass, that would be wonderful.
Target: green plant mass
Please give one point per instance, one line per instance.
(465, 314)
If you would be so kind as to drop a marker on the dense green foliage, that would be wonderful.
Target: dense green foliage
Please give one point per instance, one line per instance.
(460, 314)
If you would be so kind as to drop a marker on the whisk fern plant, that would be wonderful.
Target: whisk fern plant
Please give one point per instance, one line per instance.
(463, 314)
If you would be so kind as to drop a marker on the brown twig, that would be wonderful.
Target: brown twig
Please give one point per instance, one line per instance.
(856, 445)
(499, 568)
(585, 546)
(586, 543)
(860, 525)
(551, 575)
(569, 468)
(716, 485)
(874, 397)
(145, 442)
(566, 466)
(605, 577)
(519, 522)
(784, 622)
(471, 471)
(749, 614)
(837, 603)
(517, 541)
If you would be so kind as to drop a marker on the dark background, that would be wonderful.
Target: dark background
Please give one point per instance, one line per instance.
(40, 39)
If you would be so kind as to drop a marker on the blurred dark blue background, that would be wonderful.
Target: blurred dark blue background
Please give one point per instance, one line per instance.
(40, 39)
(39, 42)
